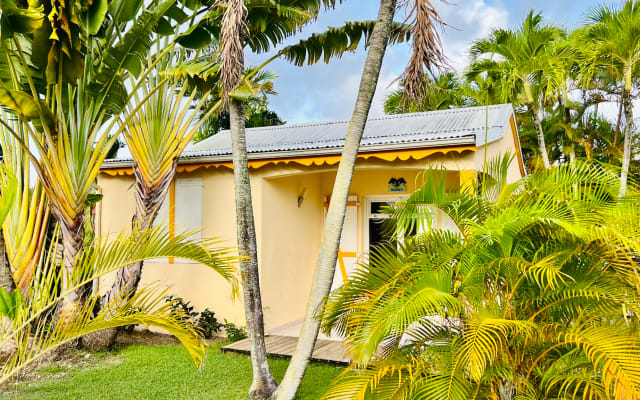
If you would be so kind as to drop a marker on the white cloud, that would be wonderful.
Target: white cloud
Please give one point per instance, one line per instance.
(326, 92)
(387, 83)
(469, 20)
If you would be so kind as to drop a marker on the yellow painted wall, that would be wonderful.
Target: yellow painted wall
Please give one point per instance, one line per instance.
(194, 282)
(497, 149)
(289, 244)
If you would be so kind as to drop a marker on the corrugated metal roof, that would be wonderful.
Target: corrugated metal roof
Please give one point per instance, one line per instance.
(459, 126)
(428, 129)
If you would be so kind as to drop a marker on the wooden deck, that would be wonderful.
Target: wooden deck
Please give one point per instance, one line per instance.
(283, 346)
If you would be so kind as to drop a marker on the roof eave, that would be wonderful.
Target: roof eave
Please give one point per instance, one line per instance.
(433, 143)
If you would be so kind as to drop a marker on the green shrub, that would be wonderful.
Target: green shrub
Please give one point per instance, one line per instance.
(204, 322)
(234, 332)
(208, 323)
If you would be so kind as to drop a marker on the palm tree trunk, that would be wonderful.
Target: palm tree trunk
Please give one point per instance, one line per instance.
(566, 116)
(541, 143)
(628, 133)
(618, 124)
(572, 154)
(326, 262)
(72, 243)
(506, 390)
(263, 384)
(148, 203)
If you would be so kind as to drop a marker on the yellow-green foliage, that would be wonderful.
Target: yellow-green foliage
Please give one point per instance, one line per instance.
(536, 296)
(32, 330)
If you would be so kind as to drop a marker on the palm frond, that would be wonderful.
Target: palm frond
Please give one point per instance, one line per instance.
(35, 333)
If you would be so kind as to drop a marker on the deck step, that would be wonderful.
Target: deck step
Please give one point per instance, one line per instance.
(330, 351)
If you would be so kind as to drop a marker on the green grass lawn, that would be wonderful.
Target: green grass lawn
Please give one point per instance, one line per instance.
(161, 372)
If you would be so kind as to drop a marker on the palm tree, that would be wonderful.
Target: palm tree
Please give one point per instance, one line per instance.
(67, 111)
(558, 74)
(521, 56)
(160, 125)
(325, 265)
(615, 45)
(534, 297)
(427, 53)
(267, 25)
(446, 91)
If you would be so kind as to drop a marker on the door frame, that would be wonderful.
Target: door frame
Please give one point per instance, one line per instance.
(367, 212)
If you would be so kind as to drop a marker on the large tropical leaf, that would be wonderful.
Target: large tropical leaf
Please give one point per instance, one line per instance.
(34, 334)
(336, 41)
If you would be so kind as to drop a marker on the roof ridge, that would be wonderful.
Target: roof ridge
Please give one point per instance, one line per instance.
(453, 123)
(376, 137)
(435, 112)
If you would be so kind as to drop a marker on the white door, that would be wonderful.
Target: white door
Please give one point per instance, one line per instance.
(348, 252)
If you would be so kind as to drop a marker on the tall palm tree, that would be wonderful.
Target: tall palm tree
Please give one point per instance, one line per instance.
(232, 52)
(558, 74)
(261, 26)
(533, 297)
(520, 58)
(426, 53)
(333, 223)
(614, 37)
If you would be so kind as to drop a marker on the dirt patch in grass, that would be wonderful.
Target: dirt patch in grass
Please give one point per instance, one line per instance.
(145, 337)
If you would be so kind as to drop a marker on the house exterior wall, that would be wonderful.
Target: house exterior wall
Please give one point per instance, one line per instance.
(203, 287)
(506, 144)
(289, 243)
(288, 236)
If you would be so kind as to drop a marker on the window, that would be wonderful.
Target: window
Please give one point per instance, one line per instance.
(188, 208)
(377, 232)
(187, 215)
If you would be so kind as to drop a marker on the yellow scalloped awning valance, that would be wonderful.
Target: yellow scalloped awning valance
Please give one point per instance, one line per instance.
(403, 155)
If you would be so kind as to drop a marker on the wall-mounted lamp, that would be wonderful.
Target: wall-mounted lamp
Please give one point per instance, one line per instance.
(301, 197)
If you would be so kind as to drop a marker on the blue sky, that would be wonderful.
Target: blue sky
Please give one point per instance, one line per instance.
(327, 92)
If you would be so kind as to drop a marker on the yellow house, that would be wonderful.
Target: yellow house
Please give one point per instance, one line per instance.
(292, 172)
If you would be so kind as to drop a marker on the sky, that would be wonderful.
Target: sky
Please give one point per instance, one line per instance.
(327, 92)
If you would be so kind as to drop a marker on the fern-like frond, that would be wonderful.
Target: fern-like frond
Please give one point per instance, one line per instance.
(615, 354)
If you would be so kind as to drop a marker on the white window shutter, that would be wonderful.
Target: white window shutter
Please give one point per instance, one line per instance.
(188, 212)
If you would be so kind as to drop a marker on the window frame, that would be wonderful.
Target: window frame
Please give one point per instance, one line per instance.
(387, 198)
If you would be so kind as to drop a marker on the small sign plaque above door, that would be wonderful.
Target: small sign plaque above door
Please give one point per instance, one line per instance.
(397, 185)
